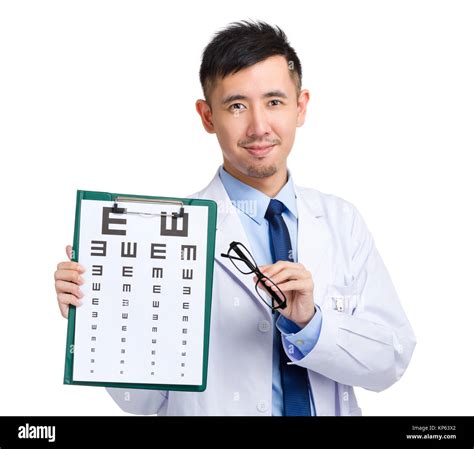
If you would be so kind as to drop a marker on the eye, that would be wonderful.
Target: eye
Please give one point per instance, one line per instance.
(236, 107)
(275, 102)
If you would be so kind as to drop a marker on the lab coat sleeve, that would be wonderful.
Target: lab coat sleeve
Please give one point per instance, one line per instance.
(370, 343)
(139, 402)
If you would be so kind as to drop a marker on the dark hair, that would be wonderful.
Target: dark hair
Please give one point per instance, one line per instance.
(243, 44)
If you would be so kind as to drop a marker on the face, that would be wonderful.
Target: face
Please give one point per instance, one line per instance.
(254, 114)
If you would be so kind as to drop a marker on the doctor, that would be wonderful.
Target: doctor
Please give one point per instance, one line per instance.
(343, 325)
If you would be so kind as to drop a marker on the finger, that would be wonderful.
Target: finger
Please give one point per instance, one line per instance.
(68, 287)
(71, 266)
(282, 262)
(64, 310)
(69, 275)
(64, 301)
(270, 270)
(262, 287)
(299, 285)
(286, 274)
(67, 300)
(69, 252)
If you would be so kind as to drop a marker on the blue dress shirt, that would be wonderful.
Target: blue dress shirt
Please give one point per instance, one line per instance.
(251, 205)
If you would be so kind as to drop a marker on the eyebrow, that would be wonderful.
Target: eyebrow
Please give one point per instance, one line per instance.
(273, 93)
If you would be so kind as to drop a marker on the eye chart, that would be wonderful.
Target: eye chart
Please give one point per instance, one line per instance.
(145, 315)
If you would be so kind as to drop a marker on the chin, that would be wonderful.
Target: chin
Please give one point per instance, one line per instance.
(261, 171)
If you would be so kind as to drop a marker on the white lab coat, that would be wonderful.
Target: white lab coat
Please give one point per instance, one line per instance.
(365, 341)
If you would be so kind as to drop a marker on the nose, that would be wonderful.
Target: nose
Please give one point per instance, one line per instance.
(259, 125)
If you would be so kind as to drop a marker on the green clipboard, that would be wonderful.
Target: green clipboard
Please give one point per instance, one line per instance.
(209, 269)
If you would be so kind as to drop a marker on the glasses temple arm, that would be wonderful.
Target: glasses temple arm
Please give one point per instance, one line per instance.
(243, 259)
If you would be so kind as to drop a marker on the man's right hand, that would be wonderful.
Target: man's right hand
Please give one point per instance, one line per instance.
(67, 281)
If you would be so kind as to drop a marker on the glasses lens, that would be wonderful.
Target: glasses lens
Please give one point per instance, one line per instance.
(272, 297)
(242, 259)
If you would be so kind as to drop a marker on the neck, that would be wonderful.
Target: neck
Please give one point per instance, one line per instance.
(269, 185)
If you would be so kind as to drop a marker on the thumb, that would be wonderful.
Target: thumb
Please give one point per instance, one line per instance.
(69, 251)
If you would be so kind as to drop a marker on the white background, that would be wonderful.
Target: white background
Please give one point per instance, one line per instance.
(99, 95)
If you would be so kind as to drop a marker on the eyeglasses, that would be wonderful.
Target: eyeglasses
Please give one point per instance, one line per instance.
(241, 258)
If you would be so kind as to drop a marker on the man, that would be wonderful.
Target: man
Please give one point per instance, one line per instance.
(343, 325)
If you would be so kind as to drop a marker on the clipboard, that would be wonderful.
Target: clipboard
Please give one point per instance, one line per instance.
(130, 305)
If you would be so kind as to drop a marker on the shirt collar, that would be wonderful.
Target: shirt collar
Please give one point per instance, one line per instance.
(254, 203)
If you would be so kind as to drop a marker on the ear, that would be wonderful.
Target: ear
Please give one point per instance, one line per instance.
(204, 110)
(303, 99)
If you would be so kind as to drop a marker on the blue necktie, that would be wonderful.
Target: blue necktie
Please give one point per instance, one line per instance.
(294, 378)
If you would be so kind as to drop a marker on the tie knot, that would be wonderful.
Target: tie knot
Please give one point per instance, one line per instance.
(274, 208)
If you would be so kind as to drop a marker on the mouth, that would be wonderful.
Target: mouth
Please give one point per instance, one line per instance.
(259, 150)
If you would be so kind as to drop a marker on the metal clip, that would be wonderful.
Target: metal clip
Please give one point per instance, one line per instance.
(339, 303)
(122, 210)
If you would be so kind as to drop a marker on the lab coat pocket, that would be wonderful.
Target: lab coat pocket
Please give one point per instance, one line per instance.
(343, 298)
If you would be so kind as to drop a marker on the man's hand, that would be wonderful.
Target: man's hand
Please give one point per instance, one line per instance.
(67, 280)
(297, 284)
